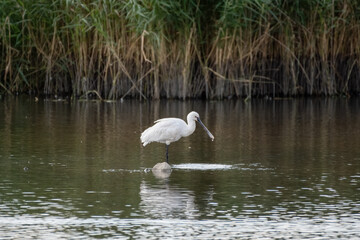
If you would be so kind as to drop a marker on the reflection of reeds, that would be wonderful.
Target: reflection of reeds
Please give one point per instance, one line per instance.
(180, 49)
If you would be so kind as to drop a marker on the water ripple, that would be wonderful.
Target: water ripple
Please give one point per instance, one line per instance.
(27, 227)
(202, 166)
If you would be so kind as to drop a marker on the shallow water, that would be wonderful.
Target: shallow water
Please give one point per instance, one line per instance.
(277, 169)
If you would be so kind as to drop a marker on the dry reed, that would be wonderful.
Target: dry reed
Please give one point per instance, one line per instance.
(180, 49)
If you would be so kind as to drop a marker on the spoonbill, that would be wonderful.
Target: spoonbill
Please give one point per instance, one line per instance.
(168, 130)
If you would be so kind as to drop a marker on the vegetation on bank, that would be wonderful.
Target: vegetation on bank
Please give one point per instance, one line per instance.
(180, 49)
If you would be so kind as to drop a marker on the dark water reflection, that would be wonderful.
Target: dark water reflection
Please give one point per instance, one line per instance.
(275, 170)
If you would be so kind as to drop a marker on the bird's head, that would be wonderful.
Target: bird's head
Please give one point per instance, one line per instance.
(194, 116)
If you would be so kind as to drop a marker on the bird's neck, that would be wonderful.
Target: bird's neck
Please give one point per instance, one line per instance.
(191, 128)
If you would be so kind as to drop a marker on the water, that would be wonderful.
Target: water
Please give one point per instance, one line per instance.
(277, 169)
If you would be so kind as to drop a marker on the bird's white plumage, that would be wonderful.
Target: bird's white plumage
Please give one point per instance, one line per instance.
(168, 130)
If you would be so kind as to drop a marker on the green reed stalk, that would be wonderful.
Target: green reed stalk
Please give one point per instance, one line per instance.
(180, 49)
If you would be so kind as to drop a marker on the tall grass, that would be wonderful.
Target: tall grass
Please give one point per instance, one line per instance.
(180, 49)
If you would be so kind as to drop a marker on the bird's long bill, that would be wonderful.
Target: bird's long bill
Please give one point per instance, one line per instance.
(208, 132)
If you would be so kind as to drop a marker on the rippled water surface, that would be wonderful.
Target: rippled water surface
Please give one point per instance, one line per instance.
(277, 169)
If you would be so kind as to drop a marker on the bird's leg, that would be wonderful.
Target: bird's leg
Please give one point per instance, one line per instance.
(167, 153)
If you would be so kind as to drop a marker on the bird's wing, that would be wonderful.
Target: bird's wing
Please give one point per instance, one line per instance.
(168, 120)
(169, 124)
(164, 130)
(169, 130)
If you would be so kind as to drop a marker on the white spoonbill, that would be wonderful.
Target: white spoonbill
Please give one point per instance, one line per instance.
(168, 130)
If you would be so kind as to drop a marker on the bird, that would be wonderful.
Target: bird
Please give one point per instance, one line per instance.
(168, 130)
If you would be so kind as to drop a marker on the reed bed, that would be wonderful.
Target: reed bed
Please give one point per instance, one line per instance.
(180, 49)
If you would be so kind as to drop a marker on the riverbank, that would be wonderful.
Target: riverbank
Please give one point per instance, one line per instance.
(190, 49)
